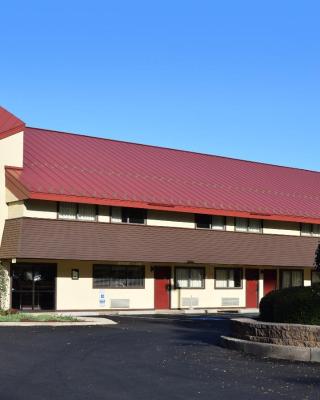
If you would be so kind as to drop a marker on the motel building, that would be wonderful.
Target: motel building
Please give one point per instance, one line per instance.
(95, 224)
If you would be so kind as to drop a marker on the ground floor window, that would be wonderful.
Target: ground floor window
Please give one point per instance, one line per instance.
(189, 278)
(315, 277)
(291, 278)
(33, 286)
(227, 278)
(118, 276)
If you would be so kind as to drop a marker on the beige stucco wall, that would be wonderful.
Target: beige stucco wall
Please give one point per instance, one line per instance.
(43, 209)
(47, 209)
(10, 197)
(209, 297)
(16, 209)
(80, 295)
(11, 154)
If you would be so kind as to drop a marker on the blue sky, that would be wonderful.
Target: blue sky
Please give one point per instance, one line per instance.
(234, 78)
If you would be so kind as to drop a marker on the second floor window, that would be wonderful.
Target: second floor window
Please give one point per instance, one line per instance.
(248, 225)
(72, 211)
(204, 221)
(310, 230)
(133, 215)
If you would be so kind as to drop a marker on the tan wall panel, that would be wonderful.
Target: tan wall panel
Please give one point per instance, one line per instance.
(11, 153)
(80, 295)
(16, 210)
(10, 197)
(209, 297)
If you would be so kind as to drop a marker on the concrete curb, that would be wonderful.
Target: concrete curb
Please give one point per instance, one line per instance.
(291, 353)
(84, 321)
(110, 313)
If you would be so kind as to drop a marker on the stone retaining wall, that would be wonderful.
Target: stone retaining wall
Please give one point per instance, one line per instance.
(276, 333)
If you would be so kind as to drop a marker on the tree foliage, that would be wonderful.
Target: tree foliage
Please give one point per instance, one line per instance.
(317, 259)
(3, 286)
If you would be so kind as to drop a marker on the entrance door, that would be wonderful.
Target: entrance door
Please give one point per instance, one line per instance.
(33, 286)
(269, 280)
(252, 288)
(162, 282)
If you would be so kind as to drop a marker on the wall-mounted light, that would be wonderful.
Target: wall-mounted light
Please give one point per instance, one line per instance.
(75, 274)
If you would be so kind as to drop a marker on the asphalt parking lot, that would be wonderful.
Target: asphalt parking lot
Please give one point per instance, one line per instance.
(143, 358)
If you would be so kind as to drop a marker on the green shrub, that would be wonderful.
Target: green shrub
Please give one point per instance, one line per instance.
(297, 305)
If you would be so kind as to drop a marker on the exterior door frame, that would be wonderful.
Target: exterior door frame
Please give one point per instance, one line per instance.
(48, 264)
(270, 271)
(252, 271)
(169, 269)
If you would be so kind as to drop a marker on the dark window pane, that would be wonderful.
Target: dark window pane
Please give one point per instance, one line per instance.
(133, 215)
(203, 221)
(135, 277)
(291, 278)
(125, 216)
(237, 278)
(315, 278)
(118, 276)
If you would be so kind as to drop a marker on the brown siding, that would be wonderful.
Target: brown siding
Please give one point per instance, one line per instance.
(57, 239)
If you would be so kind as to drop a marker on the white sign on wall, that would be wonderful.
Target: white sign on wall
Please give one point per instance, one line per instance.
(102, 298)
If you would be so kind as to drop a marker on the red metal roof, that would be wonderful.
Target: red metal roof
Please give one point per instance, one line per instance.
(68, 167)
(9, 124)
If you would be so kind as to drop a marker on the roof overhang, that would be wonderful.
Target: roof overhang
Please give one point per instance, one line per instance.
(21, 192)
(9, 124)
(34, 238)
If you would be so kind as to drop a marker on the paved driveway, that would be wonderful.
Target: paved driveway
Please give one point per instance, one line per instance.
(141, 358)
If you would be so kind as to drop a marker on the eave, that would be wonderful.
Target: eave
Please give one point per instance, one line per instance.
(22, 193)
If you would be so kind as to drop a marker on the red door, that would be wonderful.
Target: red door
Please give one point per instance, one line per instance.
(252, 288)
(269, 280)
(162, 280)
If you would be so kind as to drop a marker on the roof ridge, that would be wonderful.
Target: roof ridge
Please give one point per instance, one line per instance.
(176, 150)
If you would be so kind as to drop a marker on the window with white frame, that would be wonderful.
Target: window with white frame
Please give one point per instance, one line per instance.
(204, 221)
(118, 276)
(228, 278)
(189, 278)
(68, 210)
(310, 230)
(87, 212)
(218, 222)
(315, 277)
(72, 211)
(248, 225)
(291, 278)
